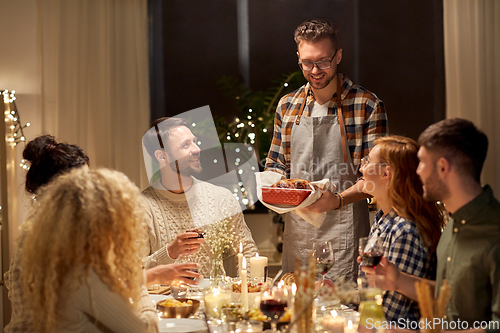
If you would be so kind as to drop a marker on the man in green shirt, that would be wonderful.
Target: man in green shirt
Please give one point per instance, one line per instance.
(452, 154)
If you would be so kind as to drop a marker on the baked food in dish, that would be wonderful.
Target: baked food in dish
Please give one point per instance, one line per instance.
(298, 184)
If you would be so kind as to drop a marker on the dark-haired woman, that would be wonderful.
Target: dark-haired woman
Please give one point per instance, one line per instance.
(48, 159)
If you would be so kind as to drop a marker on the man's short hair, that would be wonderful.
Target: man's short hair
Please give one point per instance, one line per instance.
(154, 139)
(460, 142)
(315, 30)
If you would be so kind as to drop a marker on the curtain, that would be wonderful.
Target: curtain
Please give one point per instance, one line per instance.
(95, 82)
(472, 57)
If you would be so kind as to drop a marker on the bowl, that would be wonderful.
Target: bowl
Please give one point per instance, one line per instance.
(284, 196)
(178, 311)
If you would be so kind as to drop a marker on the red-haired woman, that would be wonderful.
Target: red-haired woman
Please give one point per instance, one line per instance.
(408, 226)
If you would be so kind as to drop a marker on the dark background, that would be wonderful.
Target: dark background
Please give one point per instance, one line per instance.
(393, 48)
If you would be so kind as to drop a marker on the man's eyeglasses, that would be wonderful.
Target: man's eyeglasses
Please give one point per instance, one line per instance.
(323, 64)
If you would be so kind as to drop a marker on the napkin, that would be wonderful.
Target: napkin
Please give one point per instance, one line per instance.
(268, 178)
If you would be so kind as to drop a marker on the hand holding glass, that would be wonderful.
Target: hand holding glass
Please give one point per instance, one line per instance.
(371, 250)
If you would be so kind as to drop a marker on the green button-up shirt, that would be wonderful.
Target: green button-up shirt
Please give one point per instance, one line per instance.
(469, 258)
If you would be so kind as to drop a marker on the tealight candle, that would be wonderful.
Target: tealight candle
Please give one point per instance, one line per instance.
(249, 326)
(333, 323)
(258, 267)
(350, 328)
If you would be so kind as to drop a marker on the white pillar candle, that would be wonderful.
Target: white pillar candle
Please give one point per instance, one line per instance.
(244, 287)
(258, 267)
(240, 260)
(215, 301)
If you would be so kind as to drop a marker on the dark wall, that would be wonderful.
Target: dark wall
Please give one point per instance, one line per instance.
(391, 47)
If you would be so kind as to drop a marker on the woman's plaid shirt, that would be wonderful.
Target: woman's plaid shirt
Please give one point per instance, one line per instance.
(403, 247)
(364, 116)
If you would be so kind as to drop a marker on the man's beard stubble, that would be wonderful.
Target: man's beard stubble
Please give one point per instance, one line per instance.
(435, 189)
(182, 166)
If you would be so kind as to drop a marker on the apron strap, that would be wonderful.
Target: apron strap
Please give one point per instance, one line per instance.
(340, 118)
(301, 109)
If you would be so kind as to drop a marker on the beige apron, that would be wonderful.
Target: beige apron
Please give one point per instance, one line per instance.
(316, 153)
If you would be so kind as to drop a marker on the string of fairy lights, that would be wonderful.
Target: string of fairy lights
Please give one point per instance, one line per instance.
(241, 188)
(16, 135)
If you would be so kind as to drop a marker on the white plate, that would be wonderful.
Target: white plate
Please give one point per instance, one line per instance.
(202, 283)
(182, 325)
(156, 298)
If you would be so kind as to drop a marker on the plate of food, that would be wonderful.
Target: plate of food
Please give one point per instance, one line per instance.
(254, 291)
(287, 192)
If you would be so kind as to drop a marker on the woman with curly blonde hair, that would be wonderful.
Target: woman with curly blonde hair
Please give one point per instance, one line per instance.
(408, 226)
(81, 268)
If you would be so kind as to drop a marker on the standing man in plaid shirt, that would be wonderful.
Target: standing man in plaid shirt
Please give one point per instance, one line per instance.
(322, 130)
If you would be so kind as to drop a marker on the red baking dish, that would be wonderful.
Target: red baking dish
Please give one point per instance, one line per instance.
(284, 196)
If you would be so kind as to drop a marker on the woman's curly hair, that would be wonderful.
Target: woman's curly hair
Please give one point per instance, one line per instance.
(84, 220)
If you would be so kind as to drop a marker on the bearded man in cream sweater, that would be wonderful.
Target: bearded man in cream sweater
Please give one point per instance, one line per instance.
(179, 206)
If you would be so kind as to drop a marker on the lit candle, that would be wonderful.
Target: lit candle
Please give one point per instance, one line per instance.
(334, 323)
(240, 258)
(244, 287)
(350, 328)
(294, 291)
(258, 267)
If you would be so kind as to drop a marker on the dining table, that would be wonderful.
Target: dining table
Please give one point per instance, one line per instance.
(198, 322)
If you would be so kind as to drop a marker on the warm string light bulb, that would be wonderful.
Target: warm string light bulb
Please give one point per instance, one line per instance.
(16, 128)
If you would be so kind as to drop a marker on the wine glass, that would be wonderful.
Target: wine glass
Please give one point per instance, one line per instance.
(187, 258)
(273, 304)
(323, 254)
(371, 250)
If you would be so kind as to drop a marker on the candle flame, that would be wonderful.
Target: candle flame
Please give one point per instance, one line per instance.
(281, 284)
(334, 313)
(349, 324)
(294, 289)
(257, 255)
(241, 247)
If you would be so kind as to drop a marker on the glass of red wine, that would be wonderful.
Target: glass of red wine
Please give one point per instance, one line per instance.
(323, 254)
(371, 250)
(273, 304)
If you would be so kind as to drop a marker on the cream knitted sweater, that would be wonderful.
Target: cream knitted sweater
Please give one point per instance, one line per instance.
(169, 214)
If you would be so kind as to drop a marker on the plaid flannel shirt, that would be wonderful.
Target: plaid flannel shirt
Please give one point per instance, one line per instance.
(364, 116)
(404, 248)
